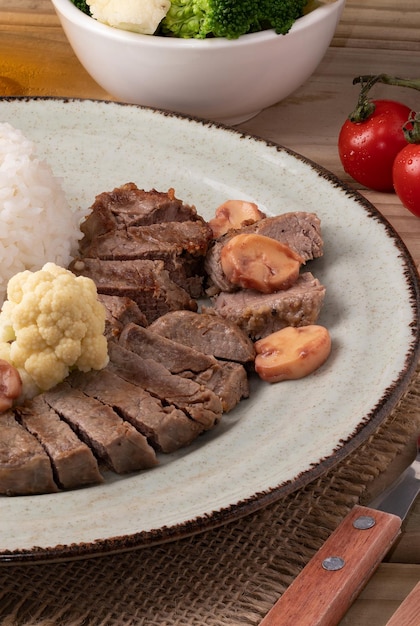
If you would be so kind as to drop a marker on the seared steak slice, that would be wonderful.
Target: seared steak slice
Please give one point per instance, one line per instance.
(198, 402)
(73, 461)
(145, 242)
(176, 357)
(165, 426)
(114, 440)
(180, 245)
(208, 333)
(25, 468)
(229, 382)
(260, 314)
(300, 231)
(120, 311)
(130, 206)
(145, 282)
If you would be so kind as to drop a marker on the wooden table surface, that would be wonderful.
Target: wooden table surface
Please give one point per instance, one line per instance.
(373, 36)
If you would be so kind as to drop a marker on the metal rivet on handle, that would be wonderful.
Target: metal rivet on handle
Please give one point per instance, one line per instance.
(333, 563)
(364, 522)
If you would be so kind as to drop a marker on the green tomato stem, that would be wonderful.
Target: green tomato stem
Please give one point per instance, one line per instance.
(365, 107)
(411, 129)
(386, 79)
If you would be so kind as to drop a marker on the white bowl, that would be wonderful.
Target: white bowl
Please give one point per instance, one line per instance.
(223, 80)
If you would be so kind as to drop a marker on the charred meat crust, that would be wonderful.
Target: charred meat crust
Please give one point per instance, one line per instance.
(130, 223)
(128, 205)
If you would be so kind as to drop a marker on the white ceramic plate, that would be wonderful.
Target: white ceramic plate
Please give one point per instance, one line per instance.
(284, 435)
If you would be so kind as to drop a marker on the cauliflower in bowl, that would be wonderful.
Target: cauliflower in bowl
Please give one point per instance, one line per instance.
(50, 323)
(140, 16)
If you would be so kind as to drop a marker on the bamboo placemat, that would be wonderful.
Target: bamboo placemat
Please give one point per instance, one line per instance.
(228, 576)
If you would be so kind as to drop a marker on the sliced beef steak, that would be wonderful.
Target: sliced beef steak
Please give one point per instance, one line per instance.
(208, 333)
(197, 401)
(25, 467)
(151, 242)
(181, 246)
(113, 440)
(259, 314)
(300, 231)
(177, 358)
(130, 206)
(120, 311)
(146, 282)
(73, 461)
(228, 380)
(165, 426)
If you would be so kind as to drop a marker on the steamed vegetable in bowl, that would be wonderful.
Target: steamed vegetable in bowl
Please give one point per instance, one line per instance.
(195, 18)
(191, 71)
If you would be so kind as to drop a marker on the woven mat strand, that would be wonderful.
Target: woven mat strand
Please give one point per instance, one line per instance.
(228, 576)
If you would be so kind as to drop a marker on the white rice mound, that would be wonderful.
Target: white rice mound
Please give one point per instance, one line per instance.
(37, 224)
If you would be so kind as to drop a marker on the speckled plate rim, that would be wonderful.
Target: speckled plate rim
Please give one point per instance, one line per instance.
(254, 157)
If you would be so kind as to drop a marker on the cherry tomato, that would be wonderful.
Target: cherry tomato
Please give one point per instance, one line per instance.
(367, 149)
(406, 173)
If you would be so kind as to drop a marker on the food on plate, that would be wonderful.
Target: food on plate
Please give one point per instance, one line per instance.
(234, 214)
(33, 208)
(196, 18)
(291, 353)
(207, 332)
(259, 314)
(10, 385)
(258, 262)
(300, 231)
(129, 223)
(126, 360)
(167, 427)
(51, 322)
(199, 403)
(142, 280)
(25, 467)
(228, 379)
(139, 16)
(73, 462)
(120, 311)
(114, 440)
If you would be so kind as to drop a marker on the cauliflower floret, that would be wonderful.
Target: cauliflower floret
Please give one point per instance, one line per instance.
(52, 322)
(139, 16)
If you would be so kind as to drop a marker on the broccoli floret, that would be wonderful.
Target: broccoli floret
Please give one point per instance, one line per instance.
(202, 18)
(81, 4)
(229, 18)
(279, 14)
